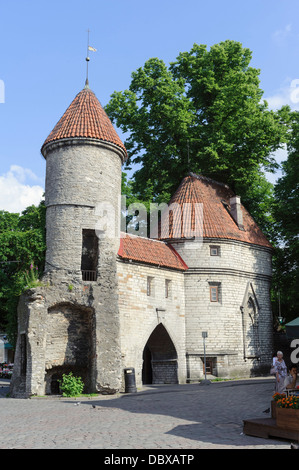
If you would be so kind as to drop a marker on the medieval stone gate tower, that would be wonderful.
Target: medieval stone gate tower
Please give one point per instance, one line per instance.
(71, 323)
(106, 303)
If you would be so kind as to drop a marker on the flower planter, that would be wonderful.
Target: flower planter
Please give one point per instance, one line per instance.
(273, 409)
(287, 418)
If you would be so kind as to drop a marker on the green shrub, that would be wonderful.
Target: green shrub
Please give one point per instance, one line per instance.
(71, 386)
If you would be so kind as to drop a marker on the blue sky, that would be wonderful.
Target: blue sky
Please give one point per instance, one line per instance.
(43, 50)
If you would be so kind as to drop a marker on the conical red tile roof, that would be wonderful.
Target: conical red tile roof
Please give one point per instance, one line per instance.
(85, 118)
(217, 219)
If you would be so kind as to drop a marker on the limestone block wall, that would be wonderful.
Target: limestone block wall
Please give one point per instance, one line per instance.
(62, 330)
(239, 339)
(141, 314)
(233, 255)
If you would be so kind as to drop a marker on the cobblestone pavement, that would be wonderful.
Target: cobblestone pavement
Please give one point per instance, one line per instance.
(190, 416)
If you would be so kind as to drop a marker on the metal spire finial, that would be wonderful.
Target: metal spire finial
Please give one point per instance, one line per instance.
(89, 48)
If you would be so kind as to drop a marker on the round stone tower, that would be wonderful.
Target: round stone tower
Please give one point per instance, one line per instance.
(70, 323)
(83, 176)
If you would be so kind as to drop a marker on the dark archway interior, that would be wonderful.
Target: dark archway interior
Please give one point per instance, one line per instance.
(159, 358)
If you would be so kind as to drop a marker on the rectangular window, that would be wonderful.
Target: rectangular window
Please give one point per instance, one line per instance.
(150, 286)
(214, 250)
(167, 288)
(214, 294)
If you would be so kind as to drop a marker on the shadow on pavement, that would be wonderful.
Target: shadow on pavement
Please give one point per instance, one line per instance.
(211, 413)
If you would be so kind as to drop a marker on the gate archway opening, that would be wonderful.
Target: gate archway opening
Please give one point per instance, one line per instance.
(70, 345)
(160, 365)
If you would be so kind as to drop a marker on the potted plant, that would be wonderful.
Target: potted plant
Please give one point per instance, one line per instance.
(276, 397)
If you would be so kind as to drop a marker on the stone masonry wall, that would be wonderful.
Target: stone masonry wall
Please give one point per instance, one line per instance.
(140, 314)
(240, 272)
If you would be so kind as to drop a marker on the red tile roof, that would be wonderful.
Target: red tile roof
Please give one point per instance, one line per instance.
(217, 219)
(149, 251)
(85, 117)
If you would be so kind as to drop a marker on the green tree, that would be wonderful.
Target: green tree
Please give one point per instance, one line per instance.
(157, 114)
(286, 209)
(22, 249)
(203, 113)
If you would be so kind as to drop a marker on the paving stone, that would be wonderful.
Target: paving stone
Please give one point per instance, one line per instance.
(158, 417)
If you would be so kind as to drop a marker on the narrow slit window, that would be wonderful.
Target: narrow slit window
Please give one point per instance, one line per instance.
(150, 286)
(167, 288)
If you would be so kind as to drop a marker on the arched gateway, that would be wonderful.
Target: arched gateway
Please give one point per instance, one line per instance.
(159, 358)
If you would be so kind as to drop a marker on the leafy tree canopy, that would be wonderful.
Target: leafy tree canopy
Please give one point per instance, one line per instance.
(285, 211)
(204, 113)
(22, 244)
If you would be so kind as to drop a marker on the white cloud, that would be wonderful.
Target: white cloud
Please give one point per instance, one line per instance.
(288, 94)
(16, 192)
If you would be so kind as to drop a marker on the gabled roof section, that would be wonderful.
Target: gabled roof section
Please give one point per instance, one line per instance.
(85, 118)
(218, 221)
(149, 251)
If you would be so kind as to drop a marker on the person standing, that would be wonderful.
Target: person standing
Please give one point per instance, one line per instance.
(291, 379)
(280, 373)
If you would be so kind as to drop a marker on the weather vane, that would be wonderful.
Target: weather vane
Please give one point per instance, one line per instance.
(89, 48)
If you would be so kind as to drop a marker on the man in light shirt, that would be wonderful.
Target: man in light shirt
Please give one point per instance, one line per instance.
(291, 378)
